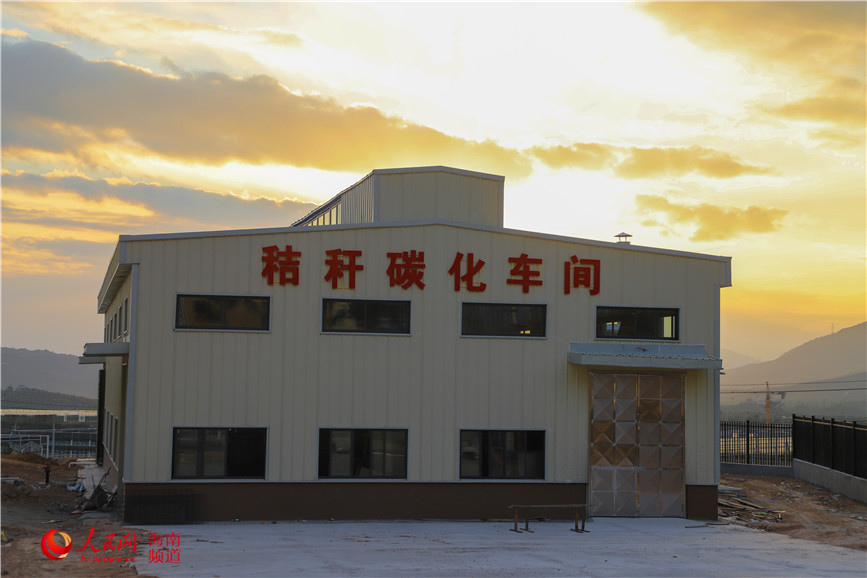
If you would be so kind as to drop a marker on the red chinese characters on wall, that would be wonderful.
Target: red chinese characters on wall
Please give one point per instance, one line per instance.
(581, 273)
(336, 266)
(522, 274)
(406, 269)
(472, 269)
(287, 263)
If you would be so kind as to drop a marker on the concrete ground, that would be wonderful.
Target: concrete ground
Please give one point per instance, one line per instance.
(613, 547)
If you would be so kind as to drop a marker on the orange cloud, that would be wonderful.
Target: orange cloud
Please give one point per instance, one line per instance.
(634, 162)
(61, 103)
(213, 118)
(813, 37)
(654, 162)
(14, 33)
(823, 42)
(834, 109)
(712, 223)
(68, 222)
(142, 29)
(589, 156)
(30, 256)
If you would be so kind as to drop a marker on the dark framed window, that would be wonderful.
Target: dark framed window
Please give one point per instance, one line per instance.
(213, 452)
(223, 312)
(503, 319)
(362, 453)
(125, 316)
(365, 316)
(637, 323)
(496, 454)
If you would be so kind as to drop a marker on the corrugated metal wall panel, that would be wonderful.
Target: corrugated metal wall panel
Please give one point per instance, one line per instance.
(699, 442)
(440, 195)
(295, 380)
(357, 204)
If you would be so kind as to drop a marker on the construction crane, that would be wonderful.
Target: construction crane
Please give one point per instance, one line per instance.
(768, 392)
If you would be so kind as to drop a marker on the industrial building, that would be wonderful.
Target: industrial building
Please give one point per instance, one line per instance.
(399, 354)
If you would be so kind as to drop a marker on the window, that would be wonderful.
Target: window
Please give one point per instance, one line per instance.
(365, 316)
(126, 316)
(115, 440)
(111, 442)
(637, 323)
(107, 424)
(210, 452)
(495, 454)
(503, 319)
(362, 453)
(223, 312)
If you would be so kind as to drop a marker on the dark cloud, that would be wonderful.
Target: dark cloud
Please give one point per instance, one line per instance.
(711, 222)
(93, 252)
(174, 208)
(25, 256)
(212, 118)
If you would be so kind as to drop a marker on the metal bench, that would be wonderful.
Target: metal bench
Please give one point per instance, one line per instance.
(580, 514)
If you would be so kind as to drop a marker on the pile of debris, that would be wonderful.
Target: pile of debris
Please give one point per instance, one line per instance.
(733, 507)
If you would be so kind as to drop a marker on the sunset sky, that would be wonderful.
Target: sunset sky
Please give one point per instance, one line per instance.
(733, 129)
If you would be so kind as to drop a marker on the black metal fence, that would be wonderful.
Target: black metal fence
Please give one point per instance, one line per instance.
(838, 445)
(746, 442)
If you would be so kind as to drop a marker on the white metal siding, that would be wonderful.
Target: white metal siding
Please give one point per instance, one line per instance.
(440, 195)
(295, 380)
(357, 203)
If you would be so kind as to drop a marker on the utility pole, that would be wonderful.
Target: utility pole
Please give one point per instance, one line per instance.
(767, 403)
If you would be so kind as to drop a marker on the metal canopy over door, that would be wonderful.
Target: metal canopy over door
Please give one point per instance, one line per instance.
(636, 445)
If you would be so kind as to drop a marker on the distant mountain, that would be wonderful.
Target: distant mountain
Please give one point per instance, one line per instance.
(733, 359)
(48, 371)
(825, 377)
(826, 358)
(29, 398)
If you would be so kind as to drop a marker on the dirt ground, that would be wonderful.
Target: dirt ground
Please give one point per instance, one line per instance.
(797, 509)
(30, 509)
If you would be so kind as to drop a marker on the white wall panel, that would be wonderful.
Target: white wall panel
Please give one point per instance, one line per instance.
(295, 380)
(357, 203)
(440, 195)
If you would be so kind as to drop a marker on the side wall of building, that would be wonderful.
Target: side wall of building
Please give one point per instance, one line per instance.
(119, 312)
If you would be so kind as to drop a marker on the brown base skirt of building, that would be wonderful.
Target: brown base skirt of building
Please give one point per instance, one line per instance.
(701, 502)
(192, 502)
